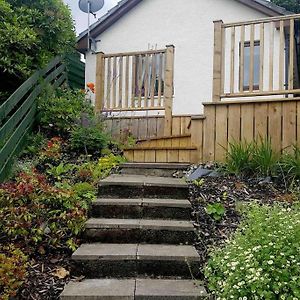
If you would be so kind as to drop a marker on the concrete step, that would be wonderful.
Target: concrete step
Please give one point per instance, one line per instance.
(134, 289)
(154, 169)
(138, 186)
(141, 208)
(129, 260)
(139, 231)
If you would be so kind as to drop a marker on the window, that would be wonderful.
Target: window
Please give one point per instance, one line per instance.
(256, 75)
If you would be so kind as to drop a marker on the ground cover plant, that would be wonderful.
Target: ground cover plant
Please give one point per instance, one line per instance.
(44, 205)
(247, 219)
(261, 260)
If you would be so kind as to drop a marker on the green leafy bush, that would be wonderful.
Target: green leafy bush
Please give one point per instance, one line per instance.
(88, 139)
(35, 213)
(60, 110)
(31, 34)
(94, 171)
(13, 264)
(261, 260)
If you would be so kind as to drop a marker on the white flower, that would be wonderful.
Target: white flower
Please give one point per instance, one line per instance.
(270, 262)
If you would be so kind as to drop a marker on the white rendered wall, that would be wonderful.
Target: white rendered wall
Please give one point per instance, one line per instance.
(186, 24)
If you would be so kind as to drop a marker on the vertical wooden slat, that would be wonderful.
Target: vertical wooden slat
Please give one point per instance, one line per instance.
(209, 133)
(114, 83)
(289, 117)
(109, 83)
(146, 81)
(261, 120)
(251, 67)
(261, 56)
(127, 82)
(221, 132)
(291, 53)
(298, 123)
(281, 57)
(120, 104)
(217, 64)
(153, 79)
(247, 122)
(271, 58)
(100, 70)
(140, 80)
(232, 60)
(168, 89)
(274, 126)
(234, 123)
(160, 72)
(133, 83)
(242, 58)
(197, 140)
(223, 43)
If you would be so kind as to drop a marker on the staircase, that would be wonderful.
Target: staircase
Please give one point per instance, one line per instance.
(168, 149)
(139, 239)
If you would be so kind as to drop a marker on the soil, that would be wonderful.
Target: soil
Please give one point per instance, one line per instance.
(230, 191)
(49, 273)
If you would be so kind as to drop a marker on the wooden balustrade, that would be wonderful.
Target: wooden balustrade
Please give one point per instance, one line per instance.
(136, 81)
(256, 58)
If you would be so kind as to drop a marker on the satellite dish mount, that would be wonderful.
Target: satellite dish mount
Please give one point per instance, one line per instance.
(90, 7)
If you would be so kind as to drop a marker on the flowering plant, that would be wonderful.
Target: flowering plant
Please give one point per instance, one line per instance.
(262, 259)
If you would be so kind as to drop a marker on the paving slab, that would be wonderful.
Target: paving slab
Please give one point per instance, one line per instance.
(99, 251)
(178, 203)
(118, 202)
(167, 252)
(100, 289)
(96, 223)
(156, 289)
(138, 180)
(176, 166)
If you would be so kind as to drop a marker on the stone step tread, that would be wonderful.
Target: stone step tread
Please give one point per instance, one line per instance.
(171, 225)
(140, 180)
(116, 252)
(176, 203)
(172, 166)
(133, 289)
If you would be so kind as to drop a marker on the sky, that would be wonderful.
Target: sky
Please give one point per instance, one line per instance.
(81, 18)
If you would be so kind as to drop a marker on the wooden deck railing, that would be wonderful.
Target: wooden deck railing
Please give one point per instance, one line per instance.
(256, 58)
(136, 81)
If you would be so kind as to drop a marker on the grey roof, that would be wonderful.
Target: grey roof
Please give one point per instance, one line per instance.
(267, 4)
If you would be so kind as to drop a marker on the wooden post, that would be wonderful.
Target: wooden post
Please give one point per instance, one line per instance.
(168, 89)
(100, 69)
(218, 61)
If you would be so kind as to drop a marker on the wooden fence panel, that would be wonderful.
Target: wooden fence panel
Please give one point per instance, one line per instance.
(277, 120)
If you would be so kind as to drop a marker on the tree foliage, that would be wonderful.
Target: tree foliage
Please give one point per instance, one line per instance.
(31, 33)
(290, 5)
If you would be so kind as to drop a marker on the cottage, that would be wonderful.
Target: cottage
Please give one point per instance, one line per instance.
(195, 74)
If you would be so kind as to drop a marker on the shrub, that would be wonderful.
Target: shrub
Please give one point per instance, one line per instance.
(35, 213)
(35, 142)
(60, 110)
(32, 33)
(94, 171)
(261, 260)
(88, 139)
(13, 264)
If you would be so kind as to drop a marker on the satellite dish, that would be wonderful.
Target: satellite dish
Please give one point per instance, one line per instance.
(90, 6)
